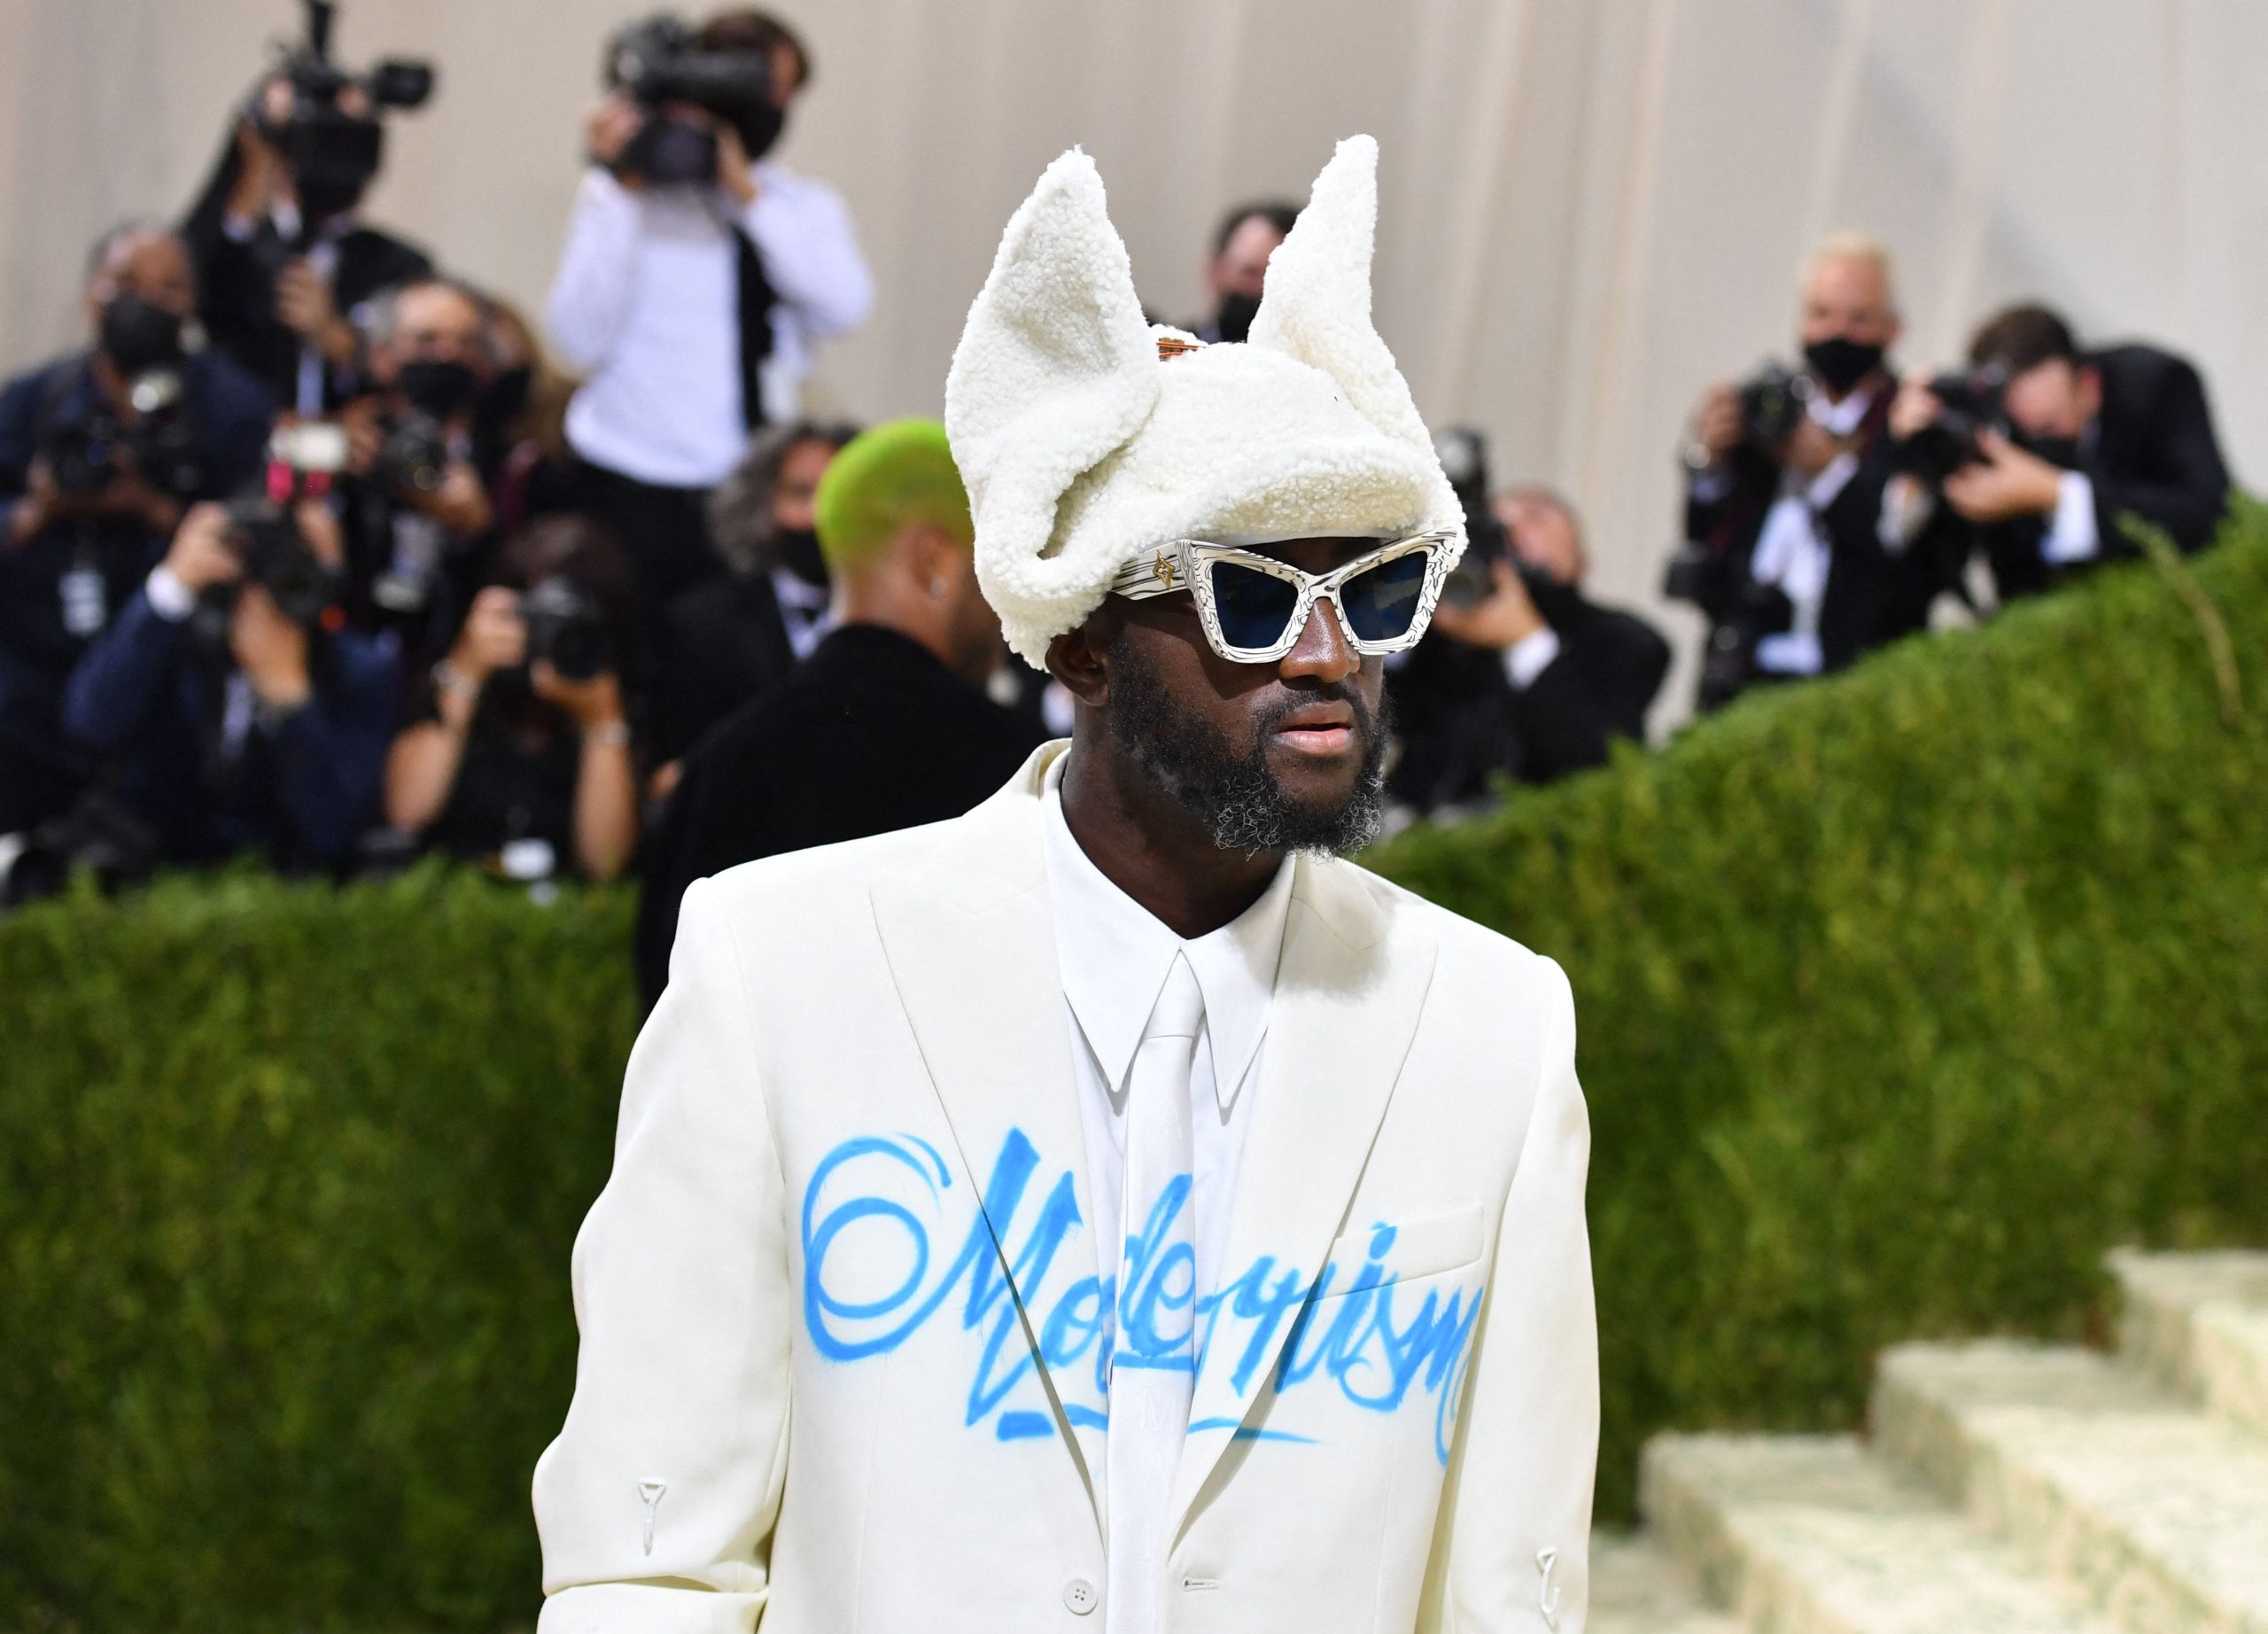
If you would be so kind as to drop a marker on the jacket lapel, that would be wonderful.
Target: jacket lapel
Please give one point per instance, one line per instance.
(970, 940)
(1347, 995)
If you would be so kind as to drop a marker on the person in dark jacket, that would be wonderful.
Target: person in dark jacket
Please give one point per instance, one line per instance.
(83, 516)
(2096, 436)
(285, 267)
(233, 724)
(1532, 682)
(887, 724)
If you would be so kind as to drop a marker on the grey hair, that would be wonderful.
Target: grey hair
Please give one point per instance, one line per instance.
(379, 318)
(740, 507)
(118, 232)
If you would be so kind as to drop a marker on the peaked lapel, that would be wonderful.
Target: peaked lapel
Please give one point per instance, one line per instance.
(1348, 991)
(970, 940)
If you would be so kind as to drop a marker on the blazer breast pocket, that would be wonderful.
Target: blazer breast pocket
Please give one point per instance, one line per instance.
(1405, 1249)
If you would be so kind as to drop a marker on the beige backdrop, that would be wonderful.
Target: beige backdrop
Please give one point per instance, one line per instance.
(1590, 206)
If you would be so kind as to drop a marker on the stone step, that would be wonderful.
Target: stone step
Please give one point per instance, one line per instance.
(2198, 1324)
(1809, 1535)
(1637, 1589)
(2156, 1512)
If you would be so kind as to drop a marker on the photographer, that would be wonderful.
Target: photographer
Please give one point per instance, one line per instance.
(728, 639)
(419, 519)
(2091, 437)
(238, 716)
(285, 264)
(99, 453)
(1238, 270)
(696, 277)
(521, 750)
(1788, 551)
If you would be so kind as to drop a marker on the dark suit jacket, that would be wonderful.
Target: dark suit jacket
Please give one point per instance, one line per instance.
(722, 643)
(230, 412)
(869, 733)
(1872, 595)
(2151, 451)
(149, 695)
(1460, 722)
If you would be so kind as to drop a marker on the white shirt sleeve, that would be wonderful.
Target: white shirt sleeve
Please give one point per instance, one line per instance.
(2071, 535)
(170, 598)
(1529, 657)
(591, 294)
(1907, 504)
(811, 253)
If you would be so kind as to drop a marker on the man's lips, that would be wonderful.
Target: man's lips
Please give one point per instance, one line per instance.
(1317, 729)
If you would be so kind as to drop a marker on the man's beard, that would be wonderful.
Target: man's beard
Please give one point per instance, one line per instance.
(1238, 800)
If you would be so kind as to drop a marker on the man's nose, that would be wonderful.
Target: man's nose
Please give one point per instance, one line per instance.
(1323, 652)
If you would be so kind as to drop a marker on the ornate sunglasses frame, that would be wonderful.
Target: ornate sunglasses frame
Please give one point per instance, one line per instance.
(1185, 563)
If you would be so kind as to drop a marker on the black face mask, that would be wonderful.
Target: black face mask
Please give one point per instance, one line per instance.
(799, 554)
(1841, 363)
(1232, 319)
(137, 334)
(759, 128)
(438, 386)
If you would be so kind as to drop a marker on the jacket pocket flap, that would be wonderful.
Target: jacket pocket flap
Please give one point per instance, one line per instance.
(1404, 1250)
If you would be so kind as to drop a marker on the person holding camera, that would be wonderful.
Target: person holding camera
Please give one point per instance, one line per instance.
(698, 276)
(520, 753)
(1789, 552)
(238, 713)
(1578, 675)
(100, 451)
(285, 262)
(2091, 438)
(420, 522)
(1238, 270)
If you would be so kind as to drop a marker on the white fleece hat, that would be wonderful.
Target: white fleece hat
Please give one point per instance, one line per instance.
(1082, 448)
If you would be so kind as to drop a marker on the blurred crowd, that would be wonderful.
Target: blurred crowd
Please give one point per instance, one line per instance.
(318, 551)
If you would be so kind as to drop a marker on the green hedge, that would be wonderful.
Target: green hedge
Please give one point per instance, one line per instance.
(1902, 997)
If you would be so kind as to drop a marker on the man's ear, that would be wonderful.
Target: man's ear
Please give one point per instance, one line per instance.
(1075, 658)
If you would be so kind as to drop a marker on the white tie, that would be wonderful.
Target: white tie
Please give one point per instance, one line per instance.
(1153, 1358)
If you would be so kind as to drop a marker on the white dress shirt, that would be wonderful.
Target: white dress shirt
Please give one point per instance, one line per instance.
(1791, 550)
(645, 306)
(1115, 958)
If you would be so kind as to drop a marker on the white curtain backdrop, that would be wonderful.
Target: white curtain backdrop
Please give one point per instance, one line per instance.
(1591, 208)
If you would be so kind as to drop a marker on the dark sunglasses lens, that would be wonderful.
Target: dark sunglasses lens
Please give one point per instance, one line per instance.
(1254, 607)
(1380, 603)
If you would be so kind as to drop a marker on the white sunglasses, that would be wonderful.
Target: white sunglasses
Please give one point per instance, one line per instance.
(1254, 607)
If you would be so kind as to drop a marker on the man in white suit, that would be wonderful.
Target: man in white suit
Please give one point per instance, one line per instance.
(1109, 1210)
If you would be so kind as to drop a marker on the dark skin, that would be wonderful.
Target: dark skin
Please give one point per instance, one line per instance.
(1144, 840)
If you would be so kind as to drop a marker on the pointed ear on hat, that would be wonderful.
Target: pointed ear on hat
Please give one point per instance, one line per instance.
(1054, 371)
(1317, 304)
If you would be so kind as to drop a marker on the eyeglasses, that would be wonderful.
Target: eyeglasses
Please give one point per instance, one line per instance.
(1254, 607)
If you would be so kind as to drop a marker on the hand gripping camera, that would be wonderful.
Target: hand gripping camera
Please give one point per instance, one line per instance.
(334, 152)
(659, 60)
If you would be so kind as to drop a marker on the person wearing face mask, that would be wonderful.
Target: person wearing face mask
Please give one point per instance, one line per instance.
(420, 522)
(733, 636)
(1794, 557)
(693, 308)
(100, 452)
(2091, 437)
(1238, 270)
(286, 267)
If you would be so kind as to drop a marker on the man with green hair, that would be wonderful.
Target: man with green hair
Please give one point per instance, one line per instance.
(886, 725)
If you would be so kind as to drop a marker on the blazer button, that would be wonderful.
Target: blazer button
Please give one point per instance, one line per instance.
(1080, 1596)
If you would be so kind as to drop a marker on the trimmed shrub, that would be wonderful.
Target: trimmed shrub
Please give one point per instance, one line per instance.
(1902, 997)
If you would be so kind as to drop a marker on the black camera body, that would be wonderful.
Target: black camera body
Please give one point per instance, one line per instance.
(658, 60)
(565, 629)
(1463, 453)
(277, 558)
(1970, 402)
(86, 456)
(334, 153)
(1773, 403)
(1749, 613)
(414, 454)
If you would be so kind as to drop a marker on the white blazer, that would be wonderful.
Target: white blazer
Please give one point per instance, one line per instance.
(840, 1301)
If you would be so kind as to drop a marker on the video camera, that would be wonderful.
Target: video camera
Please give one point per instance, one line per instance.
(658, 60)
(1970, 401)
(332, 152)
